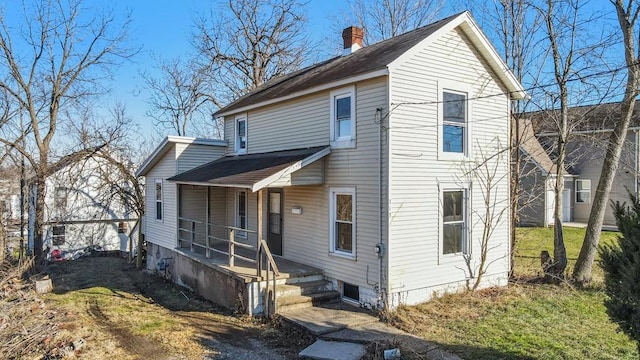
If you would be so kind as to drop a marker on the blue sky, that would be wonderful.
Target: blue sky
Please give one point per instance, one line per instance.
(162, 28)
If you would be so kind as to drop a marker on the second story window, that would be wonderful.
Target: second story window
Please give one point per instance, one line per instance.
(343, 119)
(241, 134)
(60, 199)
(454, 121)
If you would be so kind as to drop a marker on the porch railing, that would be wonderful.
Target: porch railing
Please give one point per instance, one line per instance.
(270, 306)
(195, 234)
(190, 233)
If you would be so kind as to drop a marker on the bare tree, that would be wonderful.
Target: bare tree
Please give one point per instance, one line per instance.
(249, 42)
(54, 60)
(627, 13)
(486, 174)
(573, 57)
(118, 180)
(383, 19)
(114, 189)
(180, 99)
(516, 24)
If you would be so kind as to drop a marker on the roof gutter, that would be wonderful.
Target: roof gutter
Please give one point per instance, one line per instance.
(149, 161)
(586, 132)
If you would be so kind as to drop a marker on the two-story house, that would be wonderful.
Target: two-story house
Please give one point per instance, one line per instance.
(346, 178)
(81, 209)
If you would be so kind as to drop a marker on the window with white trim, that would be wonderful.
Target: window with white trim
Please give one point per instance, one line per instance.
(241, 134)
(241, 212)
(454, 222)
(343, 117)
(455, 112)
(454, 122)
(342, 227)
(158, 199)
(583, 191)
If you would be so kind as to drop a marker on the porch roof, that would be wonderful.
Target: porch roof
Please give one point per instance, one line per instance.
(252, 171)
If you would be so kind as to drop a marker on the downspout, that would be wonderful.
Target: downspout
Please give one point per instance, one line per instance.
(380, 210)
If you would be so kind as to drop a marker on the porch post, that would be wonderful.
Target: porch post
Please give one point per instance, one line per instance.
(260, 220)
(206, 224)
(258, 253)
(232, 246)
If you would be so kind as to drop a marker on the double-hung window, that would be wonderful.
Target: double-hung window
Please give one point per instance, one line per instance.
(583, 191)
(241, 134)
(241, 212)
(158, 199)
(454, 125)
(343, 121)
(342, 226)
(454, 218)
(454, 122)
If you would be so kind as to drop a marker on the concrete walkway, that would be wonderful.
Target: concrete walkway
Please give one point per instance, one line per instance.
(343, 331)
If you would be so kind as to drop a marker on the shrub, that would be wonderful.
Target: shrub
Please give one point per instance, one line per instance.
(621, 264)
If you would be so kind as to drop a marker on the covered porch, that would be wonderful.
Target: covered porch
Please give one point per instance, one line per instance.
(230, 215)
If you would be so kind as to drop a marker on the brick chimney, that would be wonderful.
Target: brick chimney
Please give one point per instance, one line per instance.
(352, 37)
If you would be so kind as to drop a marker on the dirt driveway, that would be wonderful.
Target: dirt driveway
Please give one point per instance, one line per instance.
(117, 312)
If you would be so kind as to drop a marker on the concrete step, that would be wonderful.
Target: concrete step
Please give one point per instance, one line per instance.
(303, 288)
(299, 279)
(294, 302)
(331, 350)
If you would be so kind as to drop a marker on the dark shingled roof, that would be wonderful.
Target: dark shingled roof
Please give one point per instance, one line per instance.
(581, 118)
(368, 59)
(245, 169)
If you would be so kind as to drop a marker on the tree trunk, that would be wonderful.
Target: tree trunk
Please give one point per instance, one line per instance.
(515, 190)
(584, 264)
(140, 243)
(556, 271)
(627, 16)
(38, 234)
(3, 237)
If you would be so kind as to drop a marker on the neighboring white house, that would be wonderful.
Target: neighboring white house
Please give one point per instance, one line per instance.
(79, 209)
(351, 170)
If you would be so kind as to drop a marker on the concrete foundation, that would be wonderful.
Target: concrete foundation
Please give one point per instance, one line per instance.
(217, 286)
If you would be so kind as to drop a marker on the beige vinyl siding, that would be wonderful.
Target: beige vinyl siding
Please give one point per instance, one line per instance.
(298, 123)
(312, 174)
(306, 236)
(417, 176)
(193, 206)
(189, 156)
(218, 212)
(229, 134)
(163, 233)
(252, 213)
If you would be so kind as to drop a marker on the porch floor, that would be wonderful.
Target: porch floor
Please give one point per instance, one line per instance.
(247, 270)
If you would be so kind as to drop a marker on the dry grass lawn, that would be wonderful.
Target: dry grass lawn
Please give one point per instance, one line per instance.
(526, 320)
(122, 313)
